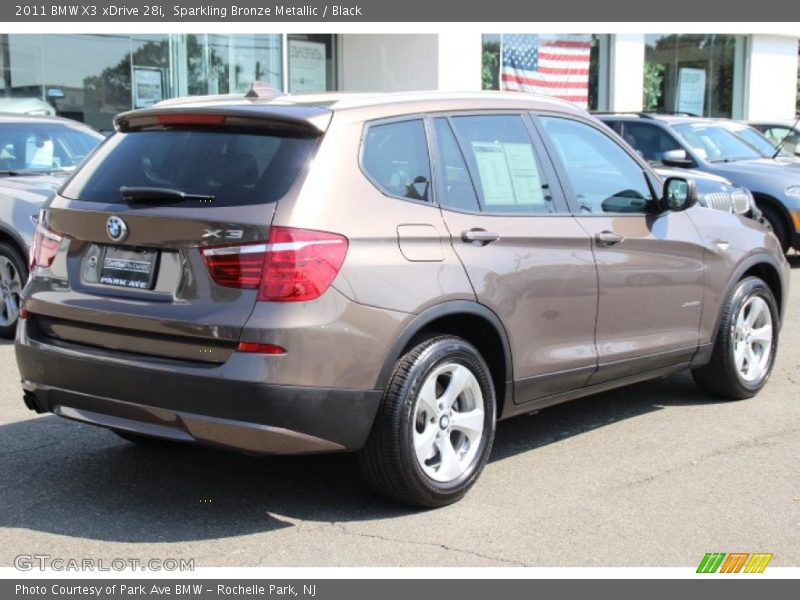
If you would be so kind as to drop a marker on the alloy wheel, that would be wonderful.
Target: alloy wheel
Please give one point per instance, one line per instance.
(448, 422)
(752, 339)
(10, 290)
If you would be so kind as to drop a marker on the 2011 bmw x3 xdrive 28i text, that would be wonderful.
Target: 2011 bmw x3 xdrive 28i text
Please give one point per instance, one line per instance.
(386, 274)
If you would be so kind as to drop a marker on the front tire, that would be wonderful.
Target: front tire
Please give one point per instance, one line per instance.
(434, 430)
(13, 275)
(744, 351)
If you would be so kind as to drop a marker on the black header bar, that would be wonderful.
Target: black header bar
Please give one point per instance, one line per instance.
(368, 11)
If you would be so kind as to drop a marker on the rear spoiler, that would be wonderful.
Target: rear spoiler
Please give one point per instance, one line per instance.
(298, 120)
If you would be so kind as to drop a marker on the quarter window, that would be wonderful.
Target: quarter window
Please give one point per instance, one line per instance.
(396, 159)
(603, 176)
(503, 164)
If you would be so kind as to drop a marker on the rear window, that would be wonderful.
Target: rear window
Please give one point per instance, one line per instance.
(44, 146)
(235, 168)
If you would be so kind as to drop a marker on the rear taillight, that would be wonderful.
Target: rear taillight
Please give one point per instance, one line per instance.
(45, 246)
(295, 265)
(256, 348)
(300, 264)
(236, 266)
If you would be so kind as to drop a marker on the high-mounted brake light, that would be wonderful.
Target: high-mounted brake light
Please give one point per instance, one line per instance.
(295, 265)
(189, 119)
(45, 245)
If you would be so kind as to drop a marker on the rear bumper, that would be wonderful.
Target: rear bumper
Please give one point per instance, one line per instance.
(226, 406)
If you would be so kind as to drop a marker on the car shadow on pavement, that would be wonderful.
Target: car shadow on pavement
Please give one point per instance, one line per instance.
(562, 421)
(71, 479)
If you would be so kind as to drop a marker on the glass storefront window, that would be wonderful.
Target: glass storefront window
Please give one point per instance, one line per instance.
(225, 64)
(697, 74)
(587, 60)
(91, 78)
(311, 62)
(87, 77)
(150, 60)
(21, 63)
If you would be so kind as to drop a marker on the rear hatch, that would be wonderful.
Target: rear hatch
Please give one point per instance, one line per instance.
(156, 245)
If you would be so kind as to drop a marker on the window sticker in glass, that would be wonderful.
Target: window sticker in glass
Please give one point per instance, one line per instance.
(503, 163)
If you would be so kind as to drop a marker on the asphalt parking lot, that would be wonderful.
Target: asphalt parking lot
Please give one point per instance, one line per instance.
(652, 475)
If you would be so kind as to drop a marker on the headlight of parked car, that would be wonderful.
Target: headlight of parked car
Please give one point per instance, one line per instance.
(793, 191)
(742, 201)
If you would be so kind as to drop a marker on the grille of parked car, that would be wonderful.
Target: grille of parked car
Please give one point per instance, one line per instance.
(720, 201)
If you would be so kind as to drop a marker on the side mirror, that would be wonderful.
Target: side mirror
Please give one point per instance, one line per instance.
(676, 158)
(679, 194)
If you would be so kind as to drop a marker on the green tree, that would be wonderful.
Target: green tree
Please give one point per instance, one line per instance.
(653, 85)
(490, 73)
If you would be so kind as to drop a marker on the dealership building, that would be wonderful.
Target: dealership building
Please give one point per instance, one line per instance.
(92, 77)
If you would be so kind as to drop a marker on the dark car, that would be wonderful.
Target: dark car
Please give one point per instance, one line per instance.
(381, 274)
(36, 156)
(704, 144)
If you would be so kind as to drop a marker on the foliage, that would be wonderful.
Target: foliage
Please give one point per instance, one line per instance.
(490, 73)
(653, 81)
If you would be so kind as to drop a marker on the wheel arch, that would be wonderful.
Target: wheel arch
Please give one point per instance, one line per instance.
(762, 199)
(471, 321)
(766, 267)
(9, 235)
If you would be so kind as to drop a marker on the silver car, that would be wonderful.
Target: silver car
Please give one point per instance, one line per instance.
(36, 155)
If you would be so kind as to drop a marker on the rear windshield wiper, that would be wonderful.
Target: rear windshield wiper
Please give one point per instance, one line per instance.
(157, 194)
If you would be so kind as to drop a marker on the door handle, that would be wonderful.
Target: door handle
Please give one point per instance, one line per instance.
(608, 238)
(481, 236)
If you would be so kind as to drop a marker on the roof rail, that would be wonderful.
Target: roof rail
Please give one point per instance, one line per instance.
(647, 114)
(636, 113)
(677, 113)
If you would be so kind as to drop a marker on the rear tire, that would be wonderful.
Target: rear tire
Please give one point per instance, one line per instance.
(13, 275)
(434, 430)
(744, 351)
(779, 227)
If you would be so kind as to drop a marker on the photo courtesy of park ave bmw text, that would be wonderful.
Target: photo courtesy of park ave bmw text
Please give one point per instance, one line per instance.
(301, 299)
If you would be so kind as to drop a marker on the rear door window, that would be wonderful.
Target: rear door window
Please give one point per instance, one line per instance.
(503, 164)
(456, 187)
(233, 167)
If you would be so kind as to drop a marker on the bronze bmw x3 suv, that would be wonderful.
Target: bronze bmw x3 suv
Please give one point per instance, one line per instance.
(386, 274)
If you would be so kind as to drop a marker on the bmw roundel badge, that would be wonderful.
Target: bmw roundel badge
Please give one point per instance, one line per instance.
(116, 229)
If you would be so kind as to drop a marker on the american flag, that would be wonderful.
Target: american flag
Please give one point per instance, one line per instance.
(551, 65)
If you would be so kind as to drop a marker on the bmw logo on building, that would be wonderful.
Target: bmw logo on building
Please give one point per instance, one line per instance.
(116, 229)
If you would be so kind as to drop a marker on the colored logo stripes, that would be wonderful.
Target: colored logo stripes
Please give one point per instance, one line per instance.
(734, 562)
